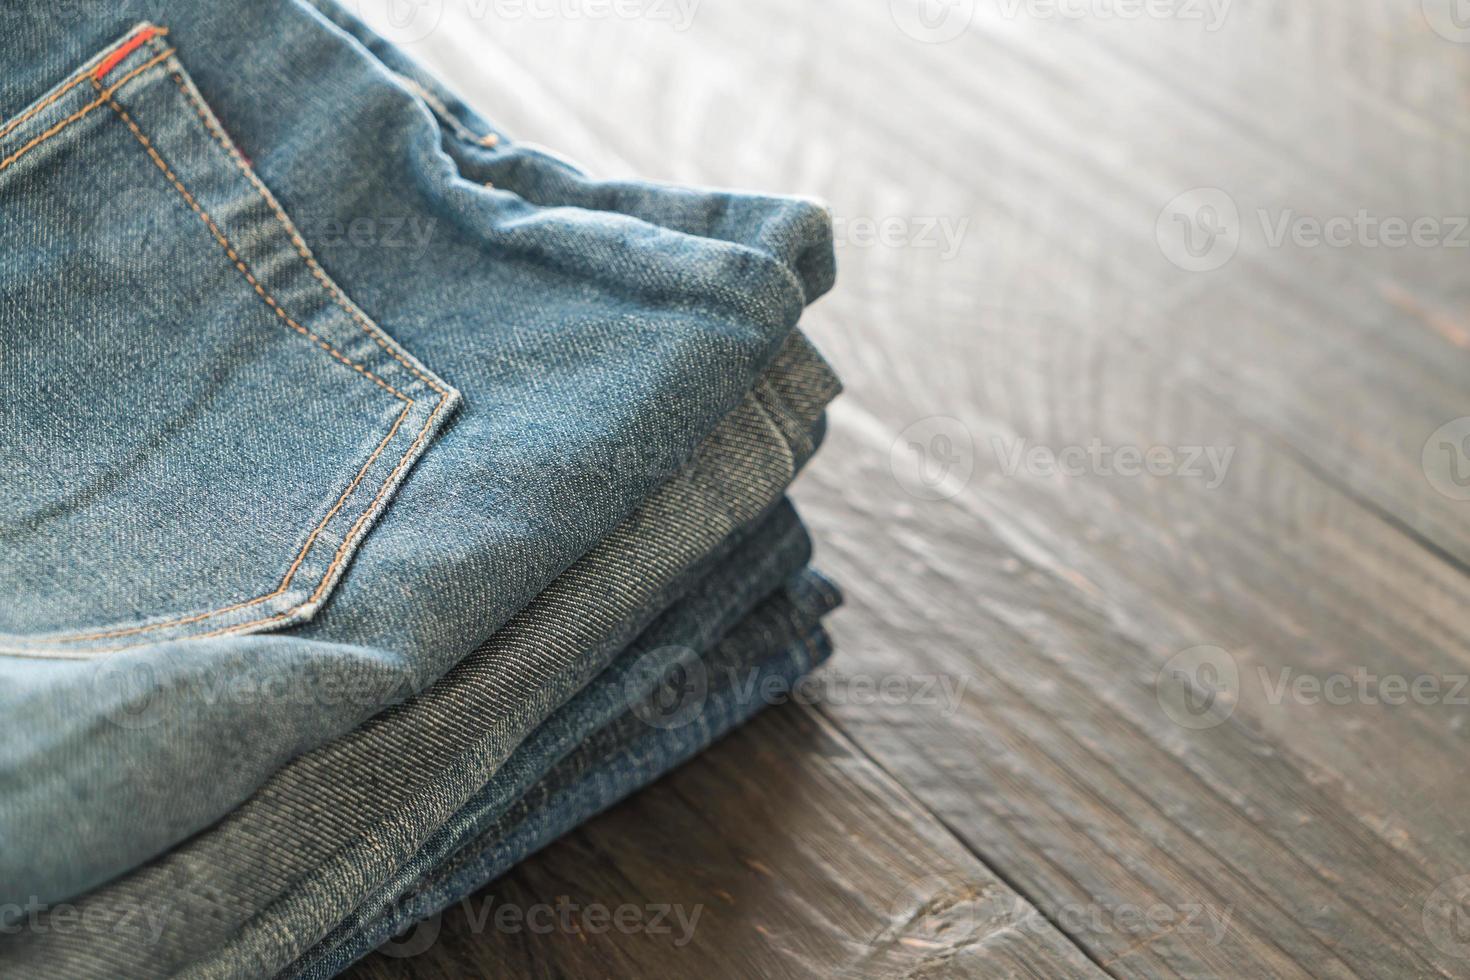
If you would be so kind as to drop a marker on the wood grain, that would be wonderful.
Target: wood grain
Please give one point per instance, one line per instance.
(827, 869)
(1022, 169)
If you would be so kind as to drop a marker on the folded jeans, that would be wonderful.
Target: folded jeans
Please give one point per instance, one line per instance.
(758, 663)
(242, 444)
(276, 873)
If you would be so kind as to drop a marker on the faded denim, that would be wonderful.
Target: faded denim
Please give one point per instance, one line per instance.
(690, 629)
(593, 753)
(256, 890)
(241, 446)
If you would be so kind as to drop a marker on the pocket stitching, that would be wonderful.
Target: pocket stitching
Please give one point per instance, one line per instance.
(274, 305)
(301, 249)
(240, 263)
(349, 540)
(84, 110)
(76, 80)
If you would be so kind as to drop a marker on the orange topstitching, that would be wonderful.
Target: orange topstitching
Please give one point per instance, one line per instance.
(71, 83)
(104, 95)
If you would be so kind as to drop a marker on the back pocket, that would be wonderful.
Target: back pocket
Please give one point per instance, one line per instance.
(197, 428)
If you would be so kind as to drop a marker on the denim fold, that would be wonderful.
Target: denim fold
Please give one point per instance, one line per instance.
(547, 790)
(328, 827)
(310, 350)
(374, 483)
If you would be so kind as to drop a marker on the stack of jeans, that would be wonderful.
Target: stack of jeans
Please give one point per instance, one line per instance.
(383, 496)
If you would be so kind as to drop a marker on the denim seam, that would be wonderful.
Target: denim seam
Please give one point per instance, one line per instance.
(254, 903)
(240, 263)
(437, 107)
(84, 110)
(81, 76)
(104, 95)
(296, 240)
(275, 306)
(716, 494)
(463, 855)
(352, 534)
(90, 68)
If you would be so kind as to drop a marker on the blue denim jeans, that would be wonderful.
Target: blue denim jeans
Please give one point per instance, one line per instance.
(260, 887)
(597, 750)
(314, 381)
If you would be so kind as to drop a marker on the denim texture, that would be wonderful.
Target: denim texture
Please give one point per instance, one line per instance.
(276, 868)
(692, 628)
(313, 463)
(580, 763)
(559, 640)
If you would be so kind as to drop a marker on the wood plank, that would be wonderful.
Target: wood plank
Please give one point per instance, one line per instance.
(783, 852)
(1062, 768)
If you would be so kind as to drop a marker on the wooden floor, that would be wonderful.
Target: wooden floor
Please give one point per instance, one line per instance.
(1211, 718)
